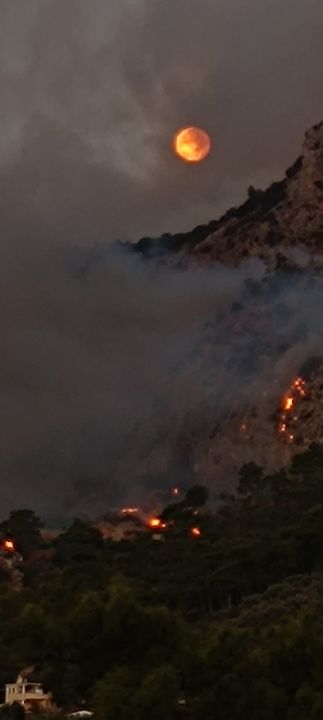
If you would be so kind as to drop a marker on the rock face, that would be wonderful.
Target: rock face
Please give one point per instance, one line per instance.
(288, 214)
(257, 367)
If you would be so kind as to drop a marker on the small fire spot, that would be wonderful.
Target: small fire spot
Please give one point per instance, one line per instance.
(195, 532)
(155, 523)
(8, 545)
(175, 491)
(296, 391)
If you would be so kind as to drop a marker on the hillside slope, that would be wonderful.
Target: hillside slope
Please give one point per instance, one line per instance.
(251, 387)
(288, 214)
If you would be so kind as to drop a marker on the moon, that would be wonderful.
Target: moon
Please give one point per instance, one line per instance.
(192, 144)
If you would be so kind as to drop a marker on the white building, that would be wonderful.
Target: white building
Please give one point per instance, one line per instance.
(29, 694)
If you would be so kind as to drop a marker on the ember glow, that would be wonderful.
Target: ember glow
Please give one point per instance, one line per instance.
(195, 532)
(155, 523)
(129, 510)
(8, 545)
(289, 401)
(175, 491)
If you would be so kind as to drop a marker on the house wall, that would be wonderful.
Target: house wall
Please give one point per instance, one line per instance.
(27, 696)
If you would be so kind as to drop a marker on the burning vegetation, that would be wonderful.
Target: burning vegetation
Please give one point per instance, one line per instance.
(8, 545)
(195, 532)
(180, 517)
(125, 511)
(288, 414)
(156, 523)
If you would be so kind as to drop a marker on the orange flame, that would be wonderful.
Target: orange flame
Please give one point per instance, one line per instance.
(9, 545)
(175, 491)
(288, 402)
(299, 385)
(297, 389)
(195, 532)
(155, 523)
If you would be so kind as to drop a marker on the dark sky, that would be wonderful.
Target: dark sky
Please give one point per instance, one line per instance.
(91, 93)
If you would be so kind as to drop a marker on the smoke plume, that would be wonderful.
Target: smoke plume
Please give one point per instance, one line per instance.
(92, 339)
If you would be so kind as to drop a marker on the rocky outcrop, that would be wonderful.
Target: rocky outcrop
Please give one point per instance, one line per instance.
(289, 214)
(248, 357)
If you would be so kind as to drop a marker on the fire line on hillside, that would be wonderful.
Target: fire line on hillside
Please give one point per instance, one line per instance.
(296, 391)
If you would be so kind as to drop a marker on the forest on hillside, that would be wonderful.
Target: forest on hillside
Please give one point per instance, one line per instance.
(224, 625)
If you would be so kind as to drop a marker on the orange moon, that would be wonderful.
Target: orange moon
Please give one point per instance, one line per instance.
(192, 144)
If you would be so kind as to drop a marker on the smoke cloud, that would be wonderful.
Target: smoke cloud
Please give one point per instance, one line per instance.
(88, 346)
(91, 95)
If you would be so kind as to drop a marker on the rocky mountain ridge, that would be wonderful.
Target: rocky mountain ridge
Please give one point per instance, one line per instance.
(288, 214)
(257, 368)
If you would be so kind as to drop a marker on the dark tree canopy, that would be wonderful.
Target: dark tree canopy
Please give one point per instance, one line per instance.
(24, 527)
(229, 625)
(197, 496)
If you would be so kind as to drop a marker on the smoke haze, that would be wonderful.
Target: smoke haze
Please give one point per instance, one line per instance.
(91, 95)
(85, 353)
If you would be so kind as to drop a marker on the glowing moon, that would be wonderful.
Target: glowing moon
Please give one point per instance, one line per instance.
(192, 144)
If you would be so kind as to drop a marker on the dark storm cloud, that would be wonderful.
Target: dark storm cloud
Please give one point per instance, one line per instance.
(90, 96)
